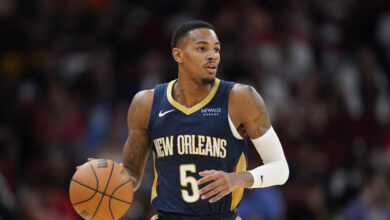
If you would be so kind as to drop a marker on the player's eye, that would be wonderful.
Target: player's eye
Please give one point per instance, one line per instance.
(201, 49)
(217, 50)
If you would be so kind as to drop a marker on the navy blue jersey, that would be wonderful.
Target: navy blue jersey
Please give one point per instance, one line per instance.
(187, 141)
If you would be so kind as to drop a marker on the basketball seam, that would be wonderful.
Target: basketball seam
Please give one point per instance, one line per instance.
(101, 199)
(76, 203)
(96, 191)
(109, 201)
(97, 184)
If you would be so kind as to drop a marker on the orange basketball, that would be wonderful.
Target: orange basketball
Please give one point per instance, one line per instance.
(101, 189)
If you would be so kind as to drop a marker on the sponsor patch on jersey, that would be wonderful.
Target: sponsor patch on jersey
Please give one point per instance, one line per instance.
(211, 111)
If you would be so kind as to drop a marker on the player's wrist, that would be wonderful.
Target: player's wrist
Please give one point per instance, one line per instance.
(243, 179)
(133, 177)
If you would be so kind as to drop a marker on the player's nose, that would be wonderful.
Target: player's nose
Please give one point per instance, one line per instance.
(212, 56)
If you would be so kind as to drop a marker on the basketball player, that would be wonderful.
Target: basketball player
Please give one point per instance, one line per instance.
(196, 126)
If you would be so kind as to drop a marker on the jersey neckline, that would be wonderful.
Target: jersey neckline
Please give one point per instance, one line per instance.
(196, 107)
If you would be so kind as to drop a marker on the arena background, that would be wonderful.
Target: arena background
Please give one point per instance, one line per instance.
(69, 69)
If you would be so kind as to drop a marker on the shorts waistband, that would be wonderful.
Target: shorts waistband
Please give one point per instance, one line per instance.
(174, 216)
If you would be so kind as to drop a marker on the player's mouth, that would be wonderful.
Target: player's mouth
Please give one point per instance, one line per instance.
(211, 67)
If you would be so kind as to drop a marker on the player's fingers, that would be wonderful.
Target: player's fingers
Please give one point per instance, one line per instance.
(206, 179)
(89, 159)
(220, 195)
(208, 187)
(206, 172)
(121, 164)
(213, 192)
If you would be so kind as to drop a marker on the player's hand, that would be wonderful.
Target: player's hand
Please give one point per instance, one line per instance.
(89, 159)
(220, 184)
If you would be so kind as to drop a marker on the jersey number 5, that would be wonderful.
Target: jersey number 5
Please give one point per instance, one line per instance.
(185, 180)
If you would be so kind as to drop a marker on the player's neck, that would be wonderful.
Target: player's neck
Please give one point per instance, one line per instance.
(190, 93)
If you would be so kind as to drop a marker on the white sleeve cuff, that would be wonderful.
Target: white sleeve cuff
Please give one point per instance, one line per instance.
(275, 170)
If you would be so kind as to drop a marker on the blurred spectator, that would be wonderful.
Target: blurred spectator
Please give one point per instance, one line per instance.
(8, 148)
(264, 204)
(372, 202)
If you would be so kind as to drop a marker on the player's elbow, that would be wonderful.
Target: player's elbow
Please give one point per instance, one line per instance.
(284, 172)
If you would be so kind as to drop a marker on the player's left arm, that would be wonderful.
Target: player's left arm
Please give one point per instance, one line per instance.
(247, 110)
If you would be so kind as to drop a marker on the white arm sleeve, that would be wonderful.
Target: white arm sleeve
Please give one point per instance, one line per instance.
(275, 169)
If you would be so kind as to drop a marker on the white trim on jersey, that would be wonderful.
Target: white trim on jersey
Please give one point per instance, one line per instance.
(234, 130)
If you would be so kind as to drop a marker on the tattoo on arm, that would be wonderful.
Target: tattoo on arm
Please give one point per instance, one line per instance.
(134, 157)
(131, 115)
(137, 146)
(261, 120)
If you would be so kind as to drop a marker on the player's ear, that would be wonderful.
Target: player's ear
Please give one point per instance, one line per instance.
(177, 55)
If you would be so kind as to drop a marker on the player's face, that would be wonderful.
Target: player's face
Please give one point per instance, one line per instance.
(200, 53)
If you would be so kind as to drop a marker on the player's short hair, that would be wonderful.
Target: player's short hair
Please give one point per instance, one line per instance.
(186, 27)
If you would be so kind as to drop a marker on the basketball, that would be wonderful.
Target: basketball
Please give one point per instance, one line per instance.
(101, 189)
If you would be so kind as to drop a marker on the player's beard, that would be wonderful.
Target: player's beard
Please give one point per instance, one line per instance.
(208, 81)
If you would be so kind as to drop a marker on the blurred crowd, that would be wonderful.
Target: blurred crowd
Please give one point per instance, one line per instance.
(69, 70)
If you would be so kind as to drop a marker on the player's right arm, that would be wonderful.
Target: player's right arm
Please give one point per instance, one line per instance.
(138, 143)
